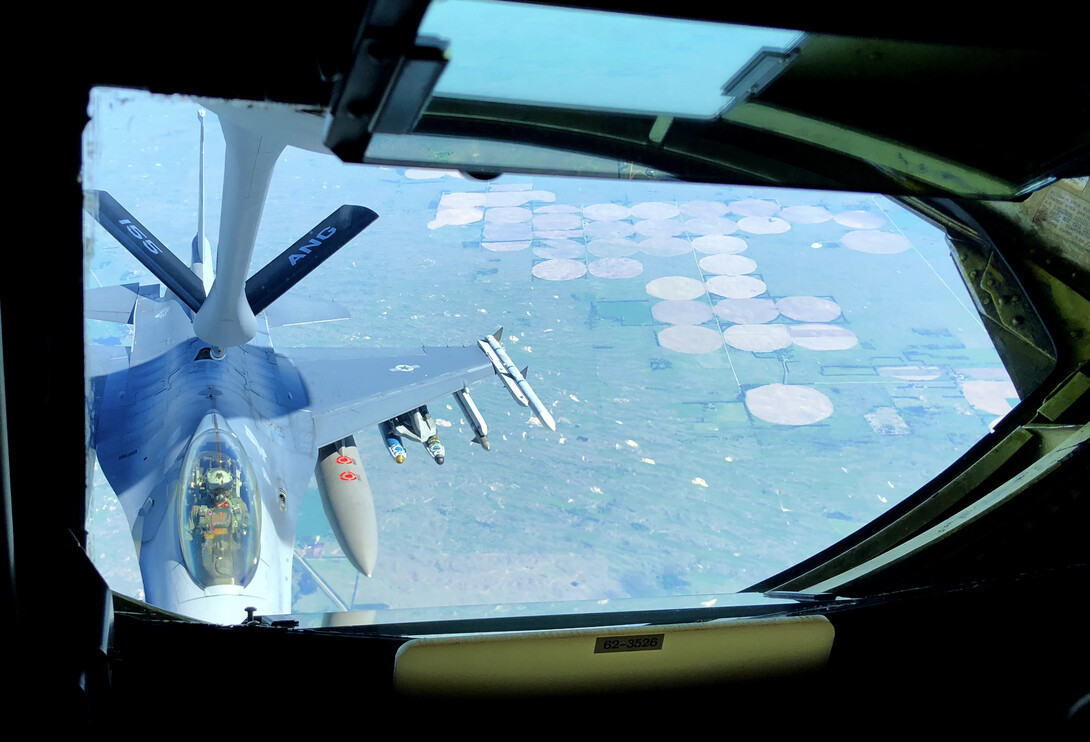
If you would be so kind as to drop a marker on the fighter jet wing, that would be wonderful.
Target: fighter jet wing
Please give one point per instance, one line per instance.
(291, 309)
(351, 389)
(99, 360)
(111, 303)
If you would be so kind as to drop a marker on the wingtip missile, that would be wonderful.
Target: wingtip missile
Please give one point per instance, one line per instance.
(488, 345)
(547, 418)
(515, 380)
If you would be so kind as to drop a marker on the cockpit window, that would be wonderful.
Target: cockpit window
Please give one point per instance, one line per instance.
(218, 510)
(513, 51)
(740, 376)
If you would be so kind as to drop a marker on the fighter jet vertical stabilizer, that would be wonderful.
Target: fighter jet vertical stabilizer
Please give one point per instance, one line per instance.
(202, 248)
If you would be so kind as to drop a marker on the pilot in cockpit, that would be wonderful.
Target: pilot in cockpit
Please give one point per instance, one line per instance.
(221, 510)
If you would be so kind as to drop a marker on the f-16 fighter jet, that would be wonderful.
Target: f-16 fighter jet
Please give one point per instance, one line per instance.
(209, 436)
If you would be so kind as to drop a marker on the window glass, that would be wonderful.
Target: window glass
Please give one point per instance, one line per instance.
(484, 156)
(219, 515)
(739, 376)
(589, 59)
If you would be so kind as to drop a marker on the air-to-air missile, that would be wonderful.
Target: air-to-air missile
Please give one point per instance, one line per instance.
(513, 379)
(473, 416)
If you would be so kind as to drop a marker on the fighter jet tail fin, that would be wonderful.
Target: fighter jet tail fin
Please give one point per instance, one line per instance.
(202, 249)
(308, 252)
(145, 247)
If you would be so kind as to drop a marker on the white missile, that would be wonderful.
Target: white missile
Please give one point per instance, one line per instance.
(473, 415)
(508, 380)
(511, 373)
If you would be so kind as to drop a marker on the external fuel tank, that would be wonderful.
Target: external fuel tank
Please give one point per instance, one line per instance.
(348, 504)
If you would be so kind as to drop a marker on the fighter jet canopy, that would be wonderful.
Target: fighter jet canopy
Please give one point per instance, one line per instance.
(218, 518)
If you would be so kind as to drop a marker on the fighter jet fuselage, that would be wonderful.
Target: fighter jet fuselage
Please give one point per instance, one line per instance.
(149, 419)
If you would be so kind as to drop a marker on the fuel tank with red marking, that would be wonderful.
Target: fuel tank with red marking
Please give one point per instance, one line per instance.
(348, 503)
